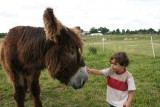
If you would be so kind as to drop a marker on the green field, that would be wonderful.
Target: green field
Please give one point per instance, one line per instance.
(144, 67)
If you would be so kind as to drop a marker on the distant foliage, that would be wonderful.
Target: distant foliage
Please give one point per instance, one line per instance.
(2, 35)
(105, 30)
(92, 50)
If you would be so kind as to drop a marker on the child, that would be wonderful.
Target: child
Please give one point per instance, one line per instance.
(120, 83)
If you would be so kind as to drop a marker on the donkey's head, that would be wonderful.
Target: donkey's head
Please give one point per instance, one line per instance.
(63, 59)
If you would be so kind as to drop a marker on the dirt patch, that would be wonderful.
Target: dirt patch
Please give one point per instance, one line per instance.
(59, 88)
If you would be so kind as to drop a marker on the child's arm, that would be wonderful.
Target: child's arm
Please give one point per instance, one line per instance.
(130, 98)
(95, 71)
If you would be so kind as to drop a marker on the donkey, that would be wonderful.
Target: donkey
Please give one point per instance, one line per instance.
(27, 50)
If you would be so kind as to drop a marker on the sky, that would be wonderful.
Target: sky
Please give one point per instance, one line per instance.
(112, 14)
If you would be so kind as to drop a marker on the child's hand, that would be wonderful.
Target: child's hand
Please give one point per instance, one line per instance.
(88, 70)
(127, 104)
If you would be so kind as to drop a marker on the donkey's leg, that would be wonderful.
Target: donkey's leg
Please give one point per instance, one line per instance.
(19, 91)
(26, 85)
(35, 89)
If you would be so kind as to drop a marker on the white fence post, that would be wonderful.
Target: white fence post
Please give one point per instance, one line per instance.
(103, 39)
(152, 47)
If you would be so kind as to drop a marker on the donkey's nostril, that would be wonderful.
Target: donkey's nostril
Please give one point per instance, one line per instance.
(83, 82)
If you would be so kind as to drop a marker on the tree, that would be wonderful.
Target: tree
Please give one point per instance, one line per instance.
(93, 30)
(158, 31)
(123, 31)
(151, 31)
(113, 32)
(2, 35)
(103, 30)
(141, 31)
(127, 31)
(81, 30)
(118, 31)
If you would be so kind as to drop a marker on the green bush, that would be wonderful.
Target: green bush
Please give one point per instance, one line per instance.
(92, 50)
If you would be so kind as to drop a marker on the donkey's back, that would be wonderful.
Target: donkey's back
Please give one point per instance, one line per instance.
(23, 49)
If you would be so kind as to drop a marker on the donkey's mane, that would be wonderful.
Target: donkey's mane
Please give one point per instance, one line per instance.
(32, 45)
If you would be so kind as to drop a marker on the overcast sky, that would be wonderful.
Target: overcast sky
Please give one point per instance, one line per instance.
(112, 14)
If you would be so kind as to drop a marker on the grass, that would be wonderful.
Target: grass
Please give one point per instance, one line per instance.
(143, 66)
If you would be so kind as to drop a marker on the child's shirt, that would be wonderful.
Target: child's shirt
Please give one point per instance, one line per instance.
(118, 86)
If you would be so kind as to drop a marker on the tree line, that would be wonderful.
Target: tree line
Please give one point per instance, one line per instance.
(105, 30)
(2, 35)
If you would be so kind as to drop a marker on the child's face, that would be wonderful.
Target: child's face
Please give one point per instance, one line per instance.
(116, 66)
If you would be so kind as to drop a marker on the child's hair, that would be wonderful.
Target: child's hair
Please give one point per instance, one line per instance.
(121, 58)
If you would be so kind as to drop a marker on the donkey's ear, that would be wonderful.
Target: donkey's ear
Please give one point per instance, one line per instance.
(52, 26)
(76, 30)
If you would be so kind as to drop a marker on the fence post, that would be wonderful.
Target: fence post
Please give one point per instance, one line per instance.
(103, 39)
(152, 47)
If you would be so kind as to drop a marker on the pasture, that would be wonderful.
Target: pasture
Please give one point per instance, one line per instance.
(143, 66)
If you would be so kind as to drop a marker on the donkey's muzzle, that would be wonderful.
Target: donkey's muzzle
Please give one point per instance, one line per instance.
(79, 79)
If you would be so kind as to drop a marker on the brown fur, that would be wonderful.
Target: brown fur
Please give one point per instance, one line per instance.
(27, 50)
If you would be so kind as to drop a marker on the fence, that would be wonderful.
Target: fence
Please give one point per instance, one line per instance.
(145, 45)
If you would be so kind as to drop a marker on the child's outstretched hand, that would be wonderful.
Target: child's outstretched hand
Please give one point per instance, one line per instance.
(88, 71)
